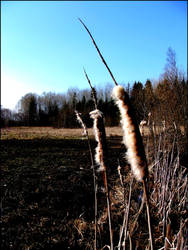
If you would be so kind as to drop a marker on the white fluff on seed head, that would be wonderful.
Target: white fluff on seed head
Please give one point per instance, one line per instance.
(118, 92)
(129, 138)
(95, 115)
(79, 119)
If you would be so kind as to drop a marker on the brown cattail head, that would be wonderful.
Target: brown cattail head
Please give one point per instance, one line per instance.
(132, 138)
(100, 136)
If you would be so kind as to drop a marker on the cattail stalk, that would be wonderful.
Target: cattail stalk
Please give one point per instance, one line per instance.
(102, 58)
(133, 142)
(79, 119)
(101, 150)
(92, 90)
(132, 138)
(101, 159)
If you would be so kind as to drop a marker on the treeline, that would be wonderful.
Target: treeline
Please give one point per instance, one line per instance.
(165, 100)
(58, 110)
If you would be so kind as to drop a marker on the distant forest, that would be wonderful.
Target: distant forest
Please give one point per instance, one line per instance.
(166, 100)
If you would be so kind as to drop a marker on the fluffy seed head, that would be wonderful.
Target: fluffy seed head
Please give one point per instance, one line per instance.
(132, 138)
(118, 92)
(97, 115)
(79, 119)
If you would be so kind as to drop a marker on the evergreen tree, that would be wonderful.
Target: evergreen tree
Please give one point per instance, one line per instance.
(149, 97)
(137, 99)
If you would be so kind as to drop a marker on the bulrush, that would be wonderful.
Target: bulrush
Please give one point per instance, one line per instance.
(132, 138)
(100, 136)
(101, 159)
(133, 142)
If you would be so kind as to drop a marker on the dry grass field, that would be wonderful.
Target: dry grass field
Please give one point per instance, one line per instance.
(48, 195)
(47, 188)
(49, 132)
(62, 133)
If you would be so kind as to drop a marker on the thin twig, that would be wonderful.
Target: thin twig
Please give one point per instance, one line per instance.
(148, 212)
(137, 216)
(95, 190)
(130, 242)
(124, 217)
(98, 51)
(127, 214)
(121, 231)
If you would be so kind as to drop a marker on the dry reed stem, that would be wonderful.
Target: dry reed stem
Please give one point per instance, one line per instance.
(121, 231)
(92, 89)
(79, 119)
(168, 236)
(101, 151)
(180, 240)
(98, 51)
(170, 183)
(130, 242)
(132, 138)
(124, 217)
(137, 216)
(148, 213)
(101, 159)
(127, 213)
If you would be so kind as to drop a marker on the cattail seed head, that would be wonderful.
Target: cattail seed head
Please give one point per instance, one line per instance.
(118, 92)
(100, 137)
(79, 119)
(95, 114)
(132, 138)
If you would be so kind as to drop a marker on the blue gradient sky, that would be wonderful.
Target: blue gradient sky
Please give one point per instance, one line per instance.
(44, 47)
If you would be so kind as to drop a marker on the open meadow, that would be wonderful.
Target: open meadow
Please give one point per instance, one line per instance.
(47, 185)
(53, 133)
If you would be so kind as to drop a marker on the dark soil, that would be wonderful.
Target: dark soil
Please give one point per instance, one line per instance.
(48, 194)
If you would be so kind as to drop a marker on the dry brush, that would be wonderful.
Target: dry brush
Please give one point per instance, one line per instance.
(159, 184)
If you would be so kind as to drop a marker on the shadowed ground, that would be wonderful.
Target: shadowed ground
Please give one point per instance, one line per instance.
(48, 195)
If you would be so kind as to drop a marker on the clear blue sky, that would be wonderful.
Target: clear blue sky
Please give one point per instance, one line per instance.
(44, 47)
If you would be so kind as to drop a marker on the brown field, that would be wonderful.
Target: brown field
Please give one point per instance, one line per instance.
(48, 195)
(44, 132)
(62, 133)
(47, 188)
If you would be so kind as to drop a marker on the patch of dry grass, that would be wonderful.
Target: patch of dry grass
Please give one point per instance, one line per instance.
(24, 133)
(49, 132)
